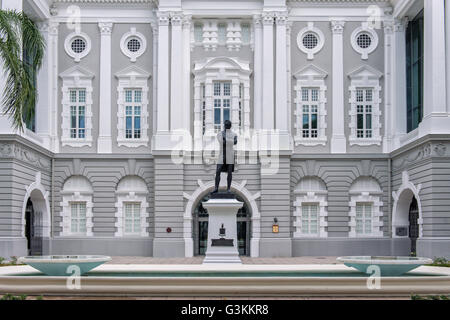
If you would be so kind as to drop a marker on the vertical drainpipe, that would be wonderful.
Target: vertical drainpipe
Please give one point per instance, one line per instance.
(390, 197)
(52, 211)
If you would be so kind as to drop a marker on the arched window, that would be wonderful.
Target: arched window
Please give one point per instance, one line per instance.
(77, 207)
(310, 208)
(365, 208)
(131, 208)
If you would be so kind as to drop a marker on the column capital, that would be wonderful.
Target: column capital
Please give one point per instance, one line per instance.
(389, 26)
(53, 28)
(401, 25)
(105, 28)
(187, 21)
(267, 18)
(43, 26)
(154, 26)
(257, 21)
(337, 26)
(176, 18)
(281, 18)
(163, 18)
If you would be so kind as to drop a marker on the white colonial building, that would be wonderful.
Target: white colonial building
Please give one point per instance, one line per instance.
(342, 110)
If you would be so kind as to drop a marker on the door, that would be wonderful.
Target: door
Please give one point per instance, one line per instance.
(200, 229)
(413, 226)
(33, 230)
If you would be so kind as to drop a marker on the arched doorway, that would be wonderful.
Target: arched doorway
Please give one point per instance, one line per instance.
(413, 225)
(200, 228)
(33, 229)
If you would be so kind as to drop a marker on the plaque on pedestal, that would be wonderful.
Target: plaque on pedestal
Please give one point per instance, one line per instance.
(222, 234)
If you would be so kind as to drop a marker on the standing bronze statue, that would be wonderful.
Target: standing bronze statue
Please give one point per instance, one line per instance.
(227, 139)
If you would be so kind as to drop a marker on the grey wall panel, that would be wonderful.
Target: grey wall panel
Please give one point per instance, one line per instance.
(120, 62)
(104, 176)
(352, 61)
(323, 60)
(338, 176)
(91, 62)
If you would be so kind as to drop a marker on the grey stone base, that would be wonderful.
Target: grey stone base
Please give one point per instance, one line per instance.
(102, 246)
(13, 247)
(433, 248)
(275, 247)
(168, 247)
(349, 247)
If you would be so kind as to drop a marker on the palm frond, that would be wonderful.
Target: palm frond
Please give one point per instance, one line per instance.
(19, 35)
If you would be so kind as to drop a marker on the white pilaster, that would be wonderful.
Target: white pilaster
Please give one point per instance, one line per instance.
(447, 42)
(399, 82)
(176, 75)
(268, 72)
(187, 73)
(388, 114)
(162, 137)
(338, 139)
(43, 111)
(258, 73)
(288, 74)
(104, 143)
(435, 118)
(155, 76)
(281, 79)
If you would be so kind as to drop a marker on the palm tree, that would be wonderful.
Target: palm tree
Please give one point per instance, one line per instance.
(21, 51)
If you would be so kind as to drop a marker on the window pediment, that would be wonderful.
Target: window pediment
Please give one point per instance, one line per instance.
(310, 72)
(365, 72)
(77, 72)
(133, 72)
(222, 63)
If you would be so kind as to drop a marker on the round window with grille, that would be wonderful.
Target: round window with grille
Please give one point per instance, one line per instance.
(78, 45)
(310, 41)
(134, 45)
(364, 40)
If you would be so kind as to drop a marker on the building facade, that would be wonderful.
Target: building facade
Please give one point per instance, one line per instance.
(342, 109)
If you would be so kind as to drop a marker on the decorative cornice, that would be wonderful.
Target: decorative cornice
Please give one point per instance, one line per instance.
(15, 151)
(107, 1)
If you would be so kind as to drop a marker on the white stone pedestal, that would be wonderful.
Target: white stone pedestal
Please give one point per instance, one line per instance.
(222, 211)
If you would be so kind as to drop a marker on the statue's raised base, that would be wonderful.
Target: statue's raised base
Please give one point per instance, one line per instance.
(222, 234)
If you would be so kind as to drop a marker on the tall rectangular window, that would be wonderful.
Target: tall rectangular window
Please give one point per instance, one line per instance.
(310, 101)
(414, 72)
(363, 218)
(77, 113)
(133, 107)
(364, 100)
(78, 217)
(222, 103)
(310, 223)
(132, 217)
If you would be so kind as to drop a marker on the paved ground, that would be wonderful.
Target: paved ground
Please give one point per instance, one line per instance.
(245, 260)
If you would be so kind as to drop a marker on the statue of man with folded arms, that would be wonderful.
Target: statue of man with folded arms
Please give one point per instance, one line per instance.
(227, 139)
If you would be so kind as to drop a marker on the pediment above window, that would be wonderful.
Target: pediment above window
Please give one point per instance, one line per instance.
(310, 72)
(133, 72)
(365, 72)
(222, 65)
(77, 72)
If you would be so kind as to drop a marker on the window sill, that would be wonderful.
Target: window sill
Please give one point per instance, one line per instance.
(364, 142)
(132, 143)
(309, 142)
(77, 143)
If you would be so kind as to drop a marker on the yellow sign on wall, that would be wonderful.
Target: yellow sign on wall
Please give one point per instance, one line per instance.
(275, 228)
